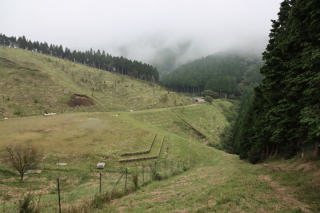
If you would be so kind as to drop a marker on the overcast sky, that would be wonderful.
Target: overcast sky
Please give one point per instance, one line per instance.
(143, 29)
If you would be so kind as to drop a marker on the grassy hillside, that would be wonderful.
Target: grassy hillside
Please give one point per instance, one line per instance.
(216, 182)
(32, 83)
(220, 182)
(210, 121)
(226, 184)
(83, 139)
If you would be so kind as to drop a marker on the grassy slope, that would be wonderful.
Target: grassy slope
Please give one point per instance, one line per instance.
(79, 139)
(221, 182)
(83, 139)
(225, 184)
(31, 83)
(218, 183)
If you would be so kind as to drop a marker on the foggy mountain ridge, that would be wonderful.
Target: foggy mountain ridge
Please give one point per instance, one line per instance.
(163, 33)
(168, 55)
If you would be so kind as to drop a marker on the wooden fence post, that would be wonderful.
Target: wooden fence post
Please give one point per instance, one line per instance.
(100, 184)
(143, 174)
(58, 186)
(125, 183)
(165, 167)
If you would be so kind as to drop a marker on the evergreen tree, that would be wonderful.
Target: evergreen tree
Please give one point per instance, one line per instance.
(284, 115)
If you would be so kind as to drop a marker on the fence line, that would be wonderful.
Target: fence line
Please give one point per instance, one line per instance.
(135, 177)
(145, 158)
(156, 171)
(140, 152)
(161, 146)
(192, 127)
(111, 187)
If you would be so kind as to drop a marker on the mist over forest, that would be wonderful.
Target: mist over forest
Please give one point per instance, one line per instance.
(168, 55)
(165, 34)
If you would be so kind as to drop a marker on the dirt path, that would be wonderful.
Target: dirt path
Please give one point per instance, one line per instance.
(285, 194)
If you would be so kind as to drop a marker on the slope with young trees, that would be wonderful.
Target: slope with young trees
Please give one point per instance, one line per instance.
(98, 59)
(32, 83)
(284, 115)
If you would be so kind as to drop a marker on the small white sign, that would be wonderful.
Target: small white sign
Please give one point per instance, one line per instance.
(100, 165)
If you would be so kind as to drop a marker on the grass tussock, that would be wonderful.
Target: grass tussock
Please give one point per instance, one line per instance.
(29, 204)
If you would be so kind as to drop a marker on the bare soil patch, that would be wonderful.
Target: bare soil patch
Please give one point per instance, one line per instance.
(80, 100)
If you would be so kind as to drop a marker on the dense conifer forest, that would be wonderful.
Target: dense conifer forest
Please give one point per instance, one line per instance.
(225, 74)
(98, 59)
(282, 117)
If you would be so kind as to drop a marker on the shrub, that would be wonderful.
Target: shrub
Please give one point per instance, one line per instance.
(29, 204)
(210, 93)
(99, 200)
(208, 99)
(23, 158)
(164, 98)
(18, 112)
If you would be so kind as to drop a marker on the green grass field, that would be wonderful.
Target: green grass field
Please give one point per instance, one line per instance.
(82, 136)
(218, 182)
(83, 139)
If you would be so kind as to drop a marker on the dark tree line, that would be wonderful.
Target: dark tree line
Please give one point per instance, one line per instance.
(98, 59)
(282, 118)
(225, 74)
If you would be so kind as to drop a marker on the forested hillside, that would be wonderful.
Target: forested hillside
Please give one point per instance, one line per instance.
(223, 73)
(98, 59)
(283, 117)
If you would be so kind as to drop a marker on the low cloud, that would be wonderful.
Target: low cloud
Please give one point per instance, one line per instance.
(165, 33)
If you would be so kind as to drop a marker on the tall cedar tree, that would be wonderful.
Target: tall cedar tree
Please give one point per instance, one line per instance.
(284, 116)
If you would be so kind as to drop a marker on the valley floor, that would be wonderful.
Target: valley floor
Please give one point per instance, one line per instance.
(218, 182)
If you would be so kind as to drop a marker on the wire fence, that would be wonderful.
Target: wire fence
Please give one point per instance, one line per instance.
(105, 186)
(128, 179)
